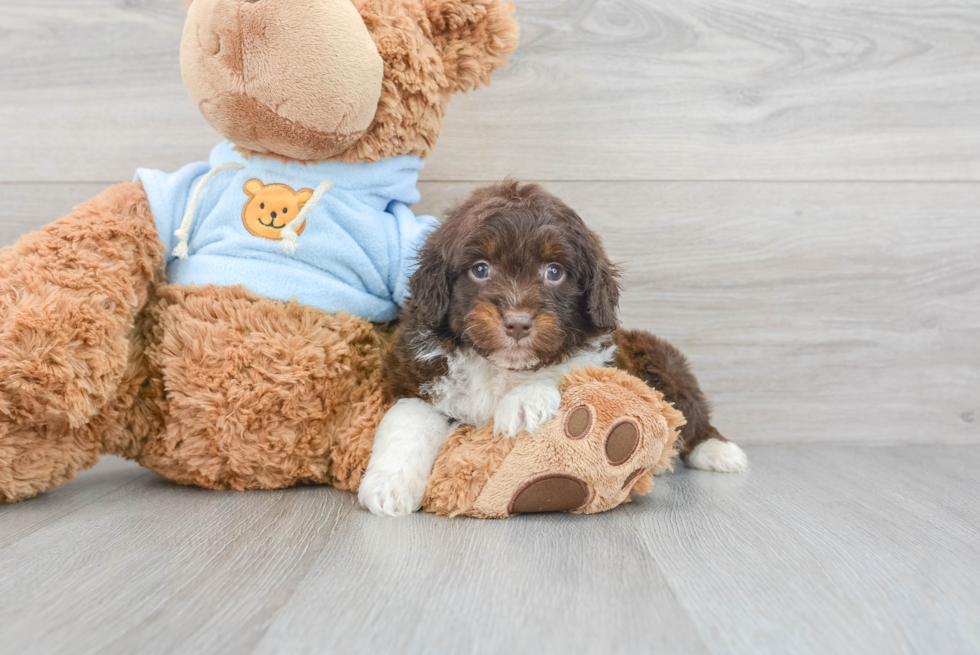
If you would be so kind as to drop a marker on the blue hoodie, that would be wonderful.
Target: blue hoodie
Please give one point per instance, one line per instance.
(351, 247)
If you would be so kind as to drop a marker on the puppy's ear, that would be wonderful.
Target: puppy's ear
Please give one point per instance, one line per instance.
(601, 283)
(429, 287)
(602, 293)
(474, 37)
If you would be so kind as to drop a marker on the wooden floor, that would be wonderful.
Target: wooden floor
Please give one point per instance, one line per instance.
(819, 549)
(793, 191)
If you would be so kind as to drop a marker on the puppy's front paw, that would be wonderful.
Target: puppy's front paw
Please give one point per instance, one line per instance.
(392, 493)
(525, 408)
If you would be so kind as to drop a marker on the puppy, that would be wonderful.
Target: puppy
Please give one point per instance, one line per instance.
(511, 292)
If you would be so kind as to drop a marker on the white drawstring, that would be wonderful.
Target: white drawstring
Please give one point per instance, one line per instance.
(290, 240)
(184, 232)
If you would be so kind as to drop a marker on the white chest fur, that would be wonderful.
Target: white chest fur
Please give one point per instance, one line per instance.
(473, 386)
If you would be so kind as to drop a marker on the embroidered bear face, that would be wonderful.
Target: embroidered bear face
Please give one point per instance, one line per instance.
(271, 207)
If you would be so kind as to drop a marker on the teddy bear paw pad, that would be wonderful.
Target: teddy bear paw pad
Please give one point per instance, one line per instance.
(549, 493)
(589, 458)
(622, 441)
(578, 423)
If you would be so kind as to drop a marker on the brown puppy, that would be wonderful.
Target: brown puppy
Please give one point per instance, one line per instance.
(511, 292)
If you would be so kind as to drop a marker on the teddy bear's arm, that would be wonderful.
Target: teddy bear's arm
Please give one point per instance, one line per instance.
(69, 296)
(612, 432)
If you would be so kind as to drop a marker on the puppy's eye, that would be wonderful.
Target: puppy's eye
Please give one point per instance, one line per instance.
(480, 271)
(554, 273)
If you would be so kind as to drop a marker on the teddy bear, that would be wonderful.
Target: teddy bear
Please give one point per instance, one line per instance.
(225, 325)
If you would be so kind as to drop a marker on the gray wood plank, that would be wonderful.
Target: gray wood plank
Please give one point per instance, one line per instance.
(111, 475)
(537, 584)
(714, 89)
(637, 90)
(821, 548)
(95, 91)
(814, 551)
(812, 312)
(154, 566)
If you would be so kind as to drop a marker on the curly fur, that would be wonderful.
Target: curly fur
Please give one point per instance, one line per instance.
(262, 394)
(75, 287)
(468, 459)
(259, 394)
(69, 299)
(210, 386)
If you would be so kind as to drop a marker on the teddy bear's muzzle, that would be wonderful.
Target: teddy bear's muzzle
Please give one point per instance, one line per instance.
(296, 79)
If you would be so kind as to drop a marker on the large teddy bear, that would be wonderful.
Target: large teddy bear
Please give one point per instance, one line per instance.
(225, 325)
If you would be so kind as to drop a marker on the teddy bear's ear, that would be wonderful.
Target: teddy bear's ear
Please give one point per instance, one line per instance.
(303, 196)
(253, 186)
(474, 37)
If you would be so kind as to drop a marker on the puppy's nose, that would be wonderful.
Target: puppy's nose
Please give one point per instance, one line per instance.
(517, 326)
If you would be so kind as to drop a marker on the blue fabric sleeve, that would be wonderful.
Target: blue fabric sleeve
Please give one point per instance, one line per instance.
(169, 194)
(412, 232)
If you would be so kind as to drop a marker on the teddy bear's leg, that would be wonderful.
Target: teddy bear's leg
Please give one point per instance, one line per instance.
(262, 394)
(70, 295)
(665, 368)
(611, 433)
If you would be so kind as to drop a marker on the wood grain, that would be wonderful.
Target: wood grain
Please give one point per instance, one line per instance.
(824, 550)
(711, 89)
(155, 566)
(534, 585)
(112, 475)
(820, 548)
(598, 90)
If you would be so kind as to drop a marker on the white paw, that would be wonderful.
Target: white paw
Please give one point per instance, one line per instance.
(525, 408)
(393, 492)
(718, 456)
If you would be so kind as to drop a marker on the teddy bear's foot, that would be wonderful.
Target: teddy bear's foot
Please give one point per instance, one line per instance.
(36, 458)
(612, 433)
